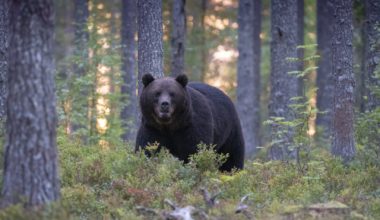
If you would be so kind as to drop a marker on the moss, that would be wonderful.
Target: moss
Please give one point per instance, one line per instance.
(99, 183)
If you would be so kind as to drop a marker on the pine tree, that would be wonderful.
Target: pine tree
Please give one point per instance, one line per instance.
(325, 82)
(248, 89)
(3, 55)
(80, 106)
(128, 31)
(372, 54)
(343, 143)
(285, 39)
(150, 48)
(178, 38)
(31, 161)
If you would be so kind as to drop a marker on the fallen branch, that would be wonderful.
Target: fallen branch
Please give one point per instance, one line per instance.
(210, 200)
(177, 213)
(147, 211)
(243, 208)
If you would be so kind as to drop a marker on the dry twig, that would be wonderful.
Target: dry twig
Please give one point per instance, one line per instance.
(243, 208)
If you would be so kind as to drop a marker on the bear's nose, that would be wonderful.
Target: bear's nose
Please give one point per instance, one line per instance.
(164, 105)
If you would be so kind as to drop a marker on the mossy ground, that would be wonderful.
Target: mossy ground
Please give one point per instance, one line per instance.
(110, 183)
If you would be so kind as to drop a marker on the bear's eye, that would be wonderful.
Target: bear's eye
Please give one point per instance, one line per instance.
(157, 94)
(172, 94)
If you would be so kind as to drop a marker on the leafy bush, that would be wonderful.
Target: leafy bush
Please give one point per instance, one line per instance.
(207, 159)
(367, 133)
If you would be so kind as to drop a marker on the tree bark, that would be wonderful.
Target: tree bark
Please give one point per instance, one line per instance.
(325, 82)
(343, 144)
(285, 38)
(178, 37)
(248, 89)
(31, 163)
(128, 31)
(196, 45)
(150, 49)
(300, 41)
(203, 41)
(372, 54)
(3, 56)
(257, 8)
(81, 32)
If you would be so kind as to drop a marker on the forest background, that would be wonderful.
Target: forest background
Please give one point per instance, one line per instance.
(100, 175)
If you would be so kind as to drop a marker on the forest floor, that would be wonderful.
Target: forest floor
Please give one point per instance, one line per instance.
(100, 182)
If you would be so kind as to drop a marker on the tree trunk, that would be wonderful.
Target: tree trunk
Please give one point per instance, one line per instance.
(300, 41)
(203, 41)
(285, 38)
(196, 45)
(80, 103)
(359, 53)
(63, 49)
(248, 89)
(325, 82)
(372, 54)
(3, 57)
(113, 23)
(343, 143)
(128, 31)
(178, 37)
(31, 163)
(150, 50)
(257, 8)
(81, 33)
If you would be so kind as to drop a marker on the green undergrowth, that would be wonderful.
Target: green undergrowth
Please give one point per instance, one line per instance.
(100, 182)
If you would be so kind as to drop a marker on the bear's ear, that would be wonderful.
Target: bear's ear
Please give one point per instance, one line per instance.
(182, 79)
(147, 78)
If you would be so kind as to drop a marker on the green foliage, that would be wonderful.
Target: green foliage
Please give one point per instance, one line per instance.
(88, 85)
(291, 133)
(375, 88)
(52, 211)
(100, 182)
(207, 160)
(301, 143)
(367, 133)
(102, 178)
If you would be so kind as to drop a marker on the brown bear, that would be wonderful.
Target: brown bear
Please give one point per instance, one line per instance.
(179, 116)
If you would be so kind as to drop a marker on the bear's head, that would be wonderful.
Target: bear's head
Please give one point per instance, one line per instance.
(164, 102)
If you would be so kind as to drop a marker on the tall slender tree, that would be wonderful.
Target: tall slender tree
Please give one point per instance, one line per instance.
(300, 41)
(248, 89)
(257, 18)
(81, 39)
(3, 56)
(113, 23)
(196, 39)
(257, 9)
(203, 39)
(325, 82)
(178, 38)
(64, 32)
(81, 15)
(150, 49)
(63, 49)
(31, 163)
(372, 54)
(343, 144)
(285, 38)
(128, 31)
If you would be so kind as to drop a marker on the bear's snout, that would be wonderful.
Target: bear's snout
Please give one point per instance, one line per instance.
(164, 103)
(164, 107)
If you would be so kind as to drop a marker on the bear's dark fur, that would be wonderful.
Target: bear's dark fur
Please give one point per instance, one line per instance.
(179, 116)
